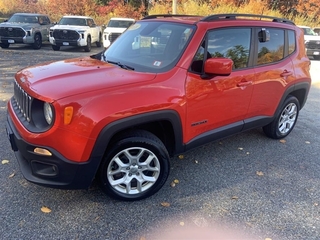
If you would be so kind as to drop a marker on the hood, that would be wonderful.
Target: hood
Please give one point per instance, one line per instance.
(20, 25)
(56, 80)
(311, 37)
(114, 30)
(70, 27)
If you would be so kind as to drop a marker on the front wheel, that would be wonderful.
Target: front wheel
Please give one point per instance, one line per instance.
(4, 45)
(285, 119)
(37, 41)
(88, 47)
(135, 167)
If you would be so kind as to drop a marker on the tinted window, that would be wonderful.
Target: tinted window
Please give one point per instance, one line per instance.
(292, 41)
(272, 50)
(231, 43)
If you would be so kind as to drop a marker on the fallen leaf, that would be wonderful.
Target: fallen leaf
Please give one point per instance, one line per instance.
(45, 209)
(165, 204)
(267, 239)
(247, 153)
(220, 143)
(315, 204)
(181, 224)
(142, 238)
(240, 148)
(196, 161)
(181, 156)
(283, 141)
(11, 175)
(259, 173)
(172, 184)
(176, 181)
(235, 198)
(5, 161)
(307, 142)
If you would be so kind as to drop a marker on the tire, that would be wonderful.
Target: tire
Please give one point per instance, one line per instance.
(37, 41)
(99, 43)
(55, 47)
(4, 45)
(137, 157)
(285, 119)
(88, 47)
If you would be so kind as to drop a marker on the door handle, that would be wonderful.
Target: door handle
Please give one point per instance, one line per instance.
(286, 73)
(244, 84)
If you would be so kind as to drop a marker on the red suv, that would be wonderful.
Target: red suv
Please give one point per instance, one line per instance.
(168, 84)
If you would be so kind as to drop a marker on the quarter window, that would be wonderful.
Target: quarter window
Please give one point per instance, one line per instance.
(272, 50)
(292, 41)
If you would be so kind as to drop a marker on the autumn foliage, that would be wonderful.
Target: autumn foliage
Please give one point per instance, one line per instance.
(300, 11)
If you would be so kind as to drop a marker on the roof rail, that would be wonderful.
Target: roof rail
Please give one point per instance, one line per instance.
(168, 16)
(241, 15)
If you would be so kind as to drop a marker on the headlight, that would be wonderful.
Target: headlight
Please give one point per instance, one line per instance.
(48, 113)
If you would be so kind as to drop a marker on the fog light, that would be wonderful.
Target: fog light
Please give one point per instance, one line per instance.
(42, 151)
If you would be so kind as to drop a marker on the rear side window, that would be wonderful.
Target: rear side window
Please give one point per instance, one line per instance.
(272, 50)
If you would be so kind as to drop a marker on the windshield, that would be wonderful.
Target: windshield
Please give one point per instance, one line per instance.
(119, 23)
(23, 19)
(309, 31)
(150, 46)
(73, 21)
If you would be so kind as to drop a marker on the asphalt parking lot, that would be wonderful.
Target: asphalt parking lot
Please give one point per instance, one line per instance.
(243, 187)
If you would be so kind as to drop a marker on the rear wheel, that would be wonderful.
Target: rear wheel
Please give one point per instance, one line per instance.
(99, 43)
(55, 47)
(285, 119)
(37, 41)
(4, 45)
(88, 47)
(135, 167)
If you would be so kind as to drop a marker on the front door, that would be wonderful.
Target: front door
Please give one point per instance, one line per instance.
(218, 105)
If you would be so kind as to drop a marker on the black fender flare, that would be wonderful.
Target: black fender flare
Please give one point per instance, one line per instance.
(113, 128)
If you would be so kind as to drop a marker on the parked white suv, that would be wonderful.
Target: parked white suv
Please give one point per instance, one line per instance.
(80, 31)
(115, 28)
(312, 42)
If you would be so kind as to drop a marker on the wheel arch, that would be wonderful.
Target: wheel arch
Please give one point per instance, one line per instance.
(299, 90)
(166, 125)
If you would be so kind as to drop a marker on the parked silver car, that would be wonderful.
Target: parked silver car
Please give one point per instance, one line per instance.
(26, 28)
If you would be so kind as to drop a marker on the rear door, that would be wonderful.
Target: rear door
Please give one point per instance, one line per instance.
(274, 72)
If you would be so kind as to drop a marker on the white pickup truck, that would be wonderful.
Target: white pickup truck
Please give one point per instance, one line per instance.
(78, 31)
(115, 28)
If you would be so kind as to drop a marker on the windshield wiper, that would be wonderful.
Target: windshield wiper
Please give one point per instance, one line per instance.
(121, 65)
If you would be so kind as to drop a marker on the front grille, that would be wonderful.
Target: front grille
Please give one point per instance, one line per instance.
(12, 32)
(66, 35)
(113, 36)
(23, 101)
(313, 44)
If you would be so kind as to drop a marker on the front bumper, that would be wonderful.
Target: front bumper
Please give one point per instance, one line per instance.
(51, 171)
(62, 42)
(12, 40)
(313, 52)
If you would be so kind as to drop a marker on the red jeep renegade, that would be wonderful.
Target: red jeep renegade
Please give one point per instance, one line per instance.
(168, 84)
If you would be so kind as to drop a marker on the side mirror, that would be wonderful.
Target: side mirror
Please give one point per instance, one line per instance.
(264, 35)
(218, 66)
